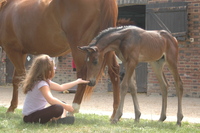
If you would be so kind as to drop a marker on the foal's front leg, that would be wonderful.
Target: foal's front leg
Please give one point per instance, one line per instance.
(112, 71)
(124, 88)
(133, 91)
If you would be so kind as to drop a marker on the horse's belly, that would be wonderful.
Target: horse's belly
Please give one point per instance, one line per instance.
(52, 49)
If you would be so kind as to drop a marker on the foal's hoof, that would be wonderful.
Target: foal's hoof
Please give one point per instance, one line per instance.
(114, 121)
(178, 124)
(180, 118)
(162, 118)
(137, 120)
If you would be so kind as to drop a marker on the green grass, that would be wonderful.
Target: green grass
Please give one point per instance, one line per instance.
(91, 123)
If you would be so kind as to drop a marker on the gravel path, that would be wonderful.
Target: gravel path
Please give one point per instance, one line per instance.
(101, 103)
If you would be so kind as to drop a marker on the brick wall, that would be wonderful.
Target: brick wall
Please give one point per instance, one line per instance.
(64, 70)
(189, 58)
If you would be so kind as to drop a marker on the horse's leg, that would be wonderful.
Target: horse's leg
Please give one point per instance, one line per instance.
(124, 88)
(18, 60)
(80, 90)
(113, 71)
(81, 72)
(158, 69)
(133, 91)
(178, 85)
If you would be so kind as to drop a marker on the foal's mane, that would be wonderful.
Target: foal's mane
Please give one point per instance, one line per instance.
(106, 32)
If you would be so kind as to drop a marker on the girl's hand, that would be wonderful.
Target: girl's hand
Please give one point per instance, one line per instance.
(81, 81)
(68, 108)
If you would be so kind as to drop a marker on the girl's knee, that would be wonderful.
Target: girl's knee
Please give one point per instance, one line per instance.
(58, 109)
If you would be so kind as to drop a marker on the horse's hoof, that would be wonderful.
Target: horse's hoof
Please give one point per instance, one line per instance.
(10, 110)
(70, 114)
(76, 107)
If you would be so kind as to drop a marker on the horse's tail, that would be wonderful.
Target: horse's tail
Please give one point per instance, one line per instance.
(109, 13)
(125, 22)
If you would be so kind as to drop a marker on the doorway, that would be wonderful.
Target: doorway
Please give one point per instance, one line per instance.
(136, 13)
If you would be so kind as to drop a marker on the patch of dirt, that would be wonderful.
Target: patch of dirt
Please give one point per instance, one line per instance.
(101, 103)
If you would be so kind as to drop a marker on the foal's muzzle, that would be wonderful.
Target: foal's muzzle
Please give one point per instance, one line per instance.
(92, 83)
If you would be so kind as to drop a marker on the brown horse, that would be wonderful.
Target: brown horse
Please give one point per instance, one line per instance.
(133, 45)
(56, 27)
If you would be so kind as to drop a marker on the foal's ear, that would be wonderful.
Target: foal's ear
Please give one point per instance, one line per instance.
(88, 49)
(83, 48)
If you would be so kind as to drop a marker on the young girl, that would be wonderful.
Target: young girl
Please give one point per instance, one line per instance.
(37, 86)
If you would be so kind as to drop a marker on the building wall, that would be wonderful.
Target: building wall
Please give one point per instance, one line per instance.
(189, 57)
(188, 65)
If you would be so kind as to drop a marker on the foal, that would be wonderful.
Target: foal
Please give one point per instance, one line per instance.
(133, 45)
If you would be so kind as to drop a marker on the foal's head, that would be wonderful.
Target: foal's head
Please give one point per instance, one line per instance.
(94, 61)
(97, 51)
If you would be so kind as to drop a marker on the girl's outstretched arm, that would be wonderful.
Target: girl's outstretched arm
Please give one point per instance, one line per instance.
(57, 87)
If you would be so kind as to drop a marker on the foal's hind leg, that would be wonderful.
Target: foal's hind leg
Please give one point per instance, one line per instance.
(179, 87)
(158, 67)
(124, 88)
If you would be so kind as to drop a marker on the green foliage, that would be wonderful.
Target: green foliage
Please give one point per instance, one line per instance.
(91, 123)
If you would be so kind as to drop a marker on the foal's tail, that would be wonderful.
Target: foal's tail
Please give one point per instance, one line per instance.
(172, 45)
(169, 36)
